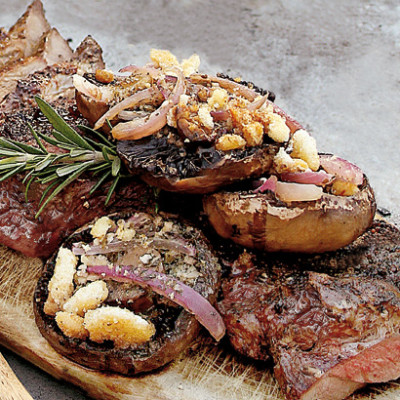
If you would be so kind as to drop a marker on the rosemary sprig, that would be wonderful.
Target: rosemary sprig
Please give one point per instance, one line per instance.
(57, 170)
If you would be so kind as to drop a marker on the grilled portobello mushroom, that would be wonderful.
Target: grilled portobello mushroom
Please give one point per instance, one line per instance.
(111, 298)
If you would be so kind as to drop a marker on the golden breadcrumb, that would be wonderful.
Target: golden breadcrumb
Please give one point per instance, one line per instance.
(61, 284)
(305, 147)
(190, 65)
(87, 298)
(218, 99)
(120, 325)
(343, 188)
(283, 162)
(71, 325)
(101, 227)
(230, 142)
(104, 76)
(253, 134)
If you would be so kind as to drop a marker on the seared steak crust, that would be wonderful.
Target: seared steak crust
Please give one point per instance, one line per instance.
(324, 319)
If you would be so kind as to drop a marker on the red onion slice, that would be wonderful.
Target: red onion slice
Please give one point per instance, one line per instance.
(220, 115)
(288, 192)
(178, 245)
(269, 184)
(143, 127)
(319, 178)
(170, 288)
(249, 94)
(342, 169)
(256, 104)
(147, 70)
(129, 102)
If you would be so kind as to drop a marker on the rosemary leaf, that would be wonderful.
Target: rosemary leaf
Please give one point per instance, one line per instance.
(47, 190)
(111, 190)
(116, 166)
(99, 182)
(44, 163)
(55, 142)
(28, 185)
(98, 134)
(69, 169)
(38, 141)
(60, 125)
(62, 138)
(8, 166)
(60, 187)
(12, 173)
(8, 145)
(27, 148)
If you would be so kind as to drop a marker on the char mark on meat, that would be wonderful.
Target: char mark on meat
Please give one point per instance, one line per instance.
(330, 321)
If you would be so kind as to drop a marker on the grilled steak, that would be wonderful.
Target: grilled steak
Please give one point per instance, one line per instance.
(330, 321)
(72, 208)
(23, 38)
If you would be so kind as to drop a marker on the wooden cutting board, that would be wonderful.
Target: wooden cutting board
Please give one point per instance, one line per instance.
(207, 372)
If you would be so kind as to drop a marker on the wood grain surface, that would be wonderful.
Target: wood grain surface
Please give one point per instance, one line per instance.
(206, 372)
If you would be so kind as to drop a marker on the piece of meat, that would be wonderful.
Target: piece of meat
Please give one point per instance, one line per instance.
(51, 50)
(54, 83)
(23, 38)
(329, 321)
(73, 207)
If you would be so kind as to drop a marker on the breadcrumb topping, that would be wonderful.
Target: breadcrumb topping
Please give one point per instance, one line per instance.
(87, 298)
(283, 162)
(120, 325)
(71, 325)
(305, 147)
(230, 142)
(61, 285)
(343, 188)
(101, 227)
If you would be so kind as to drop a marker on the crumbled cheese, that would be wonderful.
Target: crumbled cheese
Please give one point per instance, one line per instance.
(253, 133)
(71, 325)
(94, 260)
(230, 142)
(343, 188)
(305, 147)
(283, 162)
(120, 325)
(124, 232)
(278, 131)
(87, 298)
(104, 76)
(205, 117)
(101, 227)
(163, 59)
(146, 258)
(183, 100)
(61, 284)
(191, 65)
(218, 99)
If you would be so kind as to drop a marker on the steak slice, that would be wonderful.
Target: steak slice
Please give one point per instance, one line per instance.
(51, 50)
(73, 207)
(330, 321)
(24, 36)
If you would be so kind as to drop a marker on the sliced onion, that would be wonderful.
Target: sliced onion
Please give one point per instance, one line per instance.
(129, 102)
(178, 245)
(269, 184)
(232, 86)
(319, 178)
(288, 192)
(249, 94)
(143, 127)
(97, 93)
(172, 289)
(342, 169)
(147, 70)
(220, 115)
(256, 104)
